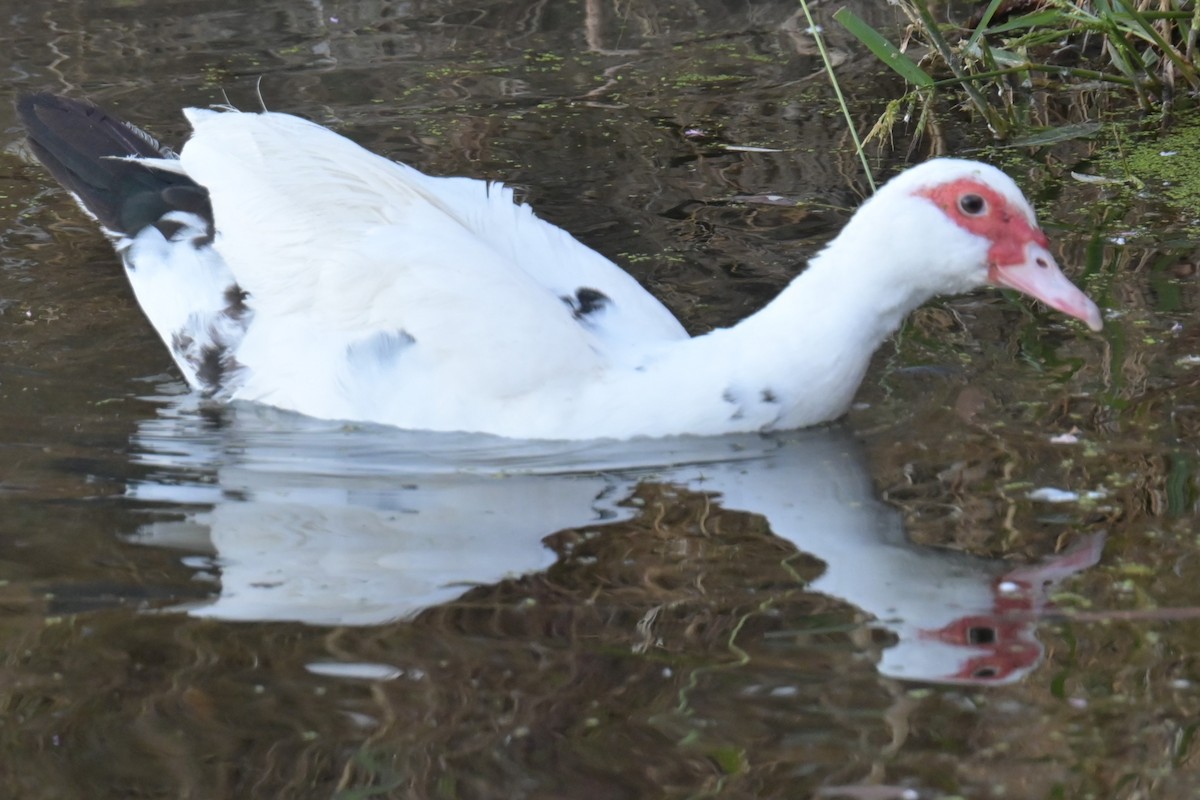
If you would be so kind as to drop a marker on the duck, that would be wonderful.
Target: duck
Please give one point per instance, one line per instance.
(283, 264)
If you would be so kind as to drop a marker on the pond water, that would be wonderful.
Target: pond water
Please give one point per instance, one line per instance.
(983, 583)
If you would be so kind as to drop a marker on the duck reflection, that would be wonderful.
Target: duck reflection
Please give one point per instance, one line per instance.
(313, 522)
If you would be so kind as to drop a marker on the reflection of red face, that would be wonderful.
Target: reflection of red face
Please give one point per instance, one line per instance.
(1003, 645)
(1005, 637)
(999, 645)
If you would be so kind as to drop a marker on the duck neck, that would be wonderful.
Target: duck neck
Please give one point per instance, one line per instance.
(797, 362)
(835, 305)
(811, 345)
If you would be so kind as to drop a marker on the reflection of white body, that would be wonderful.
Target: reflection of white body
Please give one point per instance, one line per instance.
(320, 524)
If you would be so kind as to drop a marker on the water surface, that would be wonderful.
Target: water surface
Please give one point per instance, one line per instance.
(245, 604)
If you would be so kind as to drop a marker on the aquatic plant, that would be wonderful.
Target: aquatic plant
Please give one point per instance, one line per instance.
(1010, 49)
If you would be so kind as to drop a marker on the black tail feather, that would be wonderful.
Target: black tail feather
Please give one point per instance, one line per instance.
(82, 146)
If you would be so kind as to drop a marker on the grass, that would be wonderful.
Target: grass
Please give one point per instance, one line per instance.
(1143, 49)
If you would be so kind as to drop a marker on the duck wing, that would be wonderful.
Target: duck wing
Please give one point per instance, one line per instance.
(387, 279)
(300, 209)
(281, 262)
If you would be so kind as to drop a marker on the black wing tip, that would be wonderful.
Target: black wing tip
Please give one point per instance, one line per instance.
(30, 102)
(84, 147)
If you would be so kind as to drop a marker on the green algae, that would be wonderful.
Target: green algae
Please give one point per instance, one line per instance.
(1164, 163)
(1160, 163)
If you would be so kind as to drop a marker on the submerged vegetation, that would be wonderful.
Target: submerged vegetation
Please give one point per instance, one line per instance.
(1009, 50)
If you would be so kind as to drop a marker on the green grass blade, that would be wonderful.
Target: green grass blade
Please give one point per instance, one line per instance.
(837, 90)
(982, 27)
(1149, 32)
(1007, 58)
(884, 50)
(1039, 19)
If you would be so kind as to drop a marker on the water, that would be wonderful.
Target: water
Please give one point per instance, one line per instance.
(246, 604)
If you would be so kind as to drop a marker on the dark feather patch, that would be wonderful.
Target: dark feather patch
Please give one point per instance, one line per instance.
(181, 342)
(211, 368)
(235, 296)
(215, 365)
(209, 346)
(586, 301)
(85, 150)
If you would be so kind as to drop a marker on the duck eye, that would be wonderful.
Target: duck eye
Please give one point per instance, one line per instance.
(972, 204)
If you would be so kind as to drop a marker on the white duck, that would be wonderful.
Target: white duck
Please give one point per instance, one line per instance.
(282, 263)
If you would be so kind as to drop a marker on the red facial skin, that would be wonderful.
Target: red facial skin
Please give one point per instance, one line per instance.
(1018, 255)
(1007, 228)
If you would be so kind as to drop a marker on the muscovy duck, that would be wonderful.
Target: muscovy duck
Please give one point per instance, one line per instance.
(281, 263)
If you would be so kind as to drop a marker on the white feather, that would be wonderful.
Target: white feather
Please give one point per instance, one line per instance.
(381, 294)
